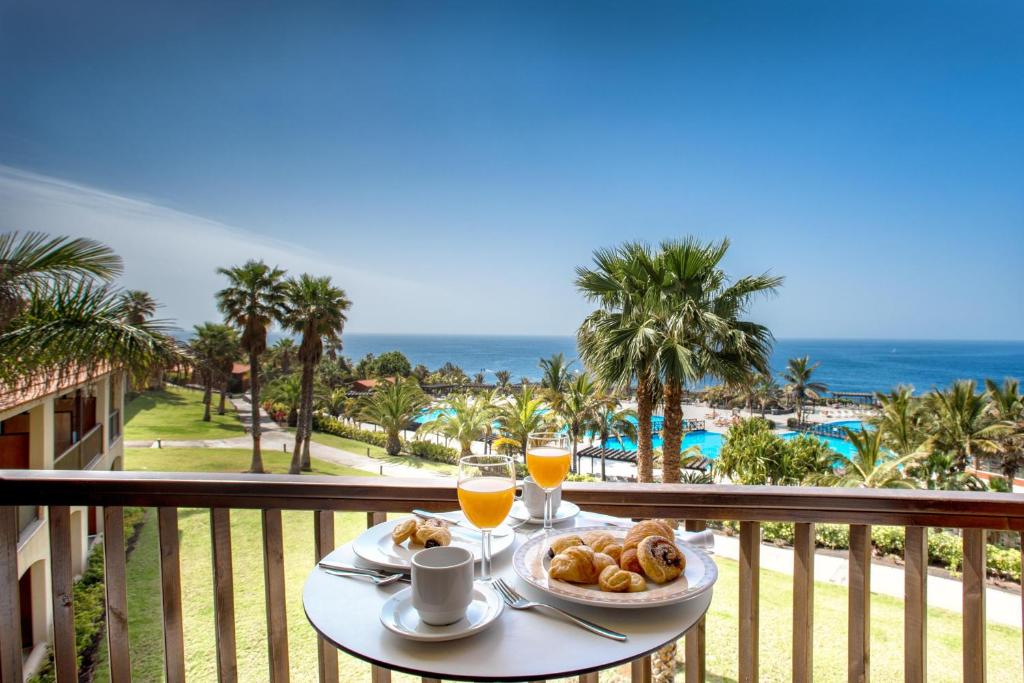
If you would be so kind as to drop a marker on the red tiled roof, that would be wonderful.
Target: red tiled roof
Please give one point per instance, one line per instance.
(51, 383)
(240, 369)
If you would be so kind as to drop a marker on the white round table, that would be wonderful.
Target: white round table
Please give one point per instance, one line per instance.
(526, 645)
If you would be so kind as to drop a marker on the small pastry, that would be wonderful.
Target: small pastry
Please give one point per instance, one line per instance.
(614, 580)
(597, 540)
(425, 529)
(660, 559)
(574, 564)
(404, 530)
(563, 542)
(434, 536)
(613, 550)
(602, 562)
(648, 527)
(628, 561)
(637, 583)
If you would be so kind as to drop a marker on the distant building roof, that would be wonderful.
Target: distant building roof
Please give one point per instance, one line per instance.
(368, 384)
(240, 369)
(45, 384)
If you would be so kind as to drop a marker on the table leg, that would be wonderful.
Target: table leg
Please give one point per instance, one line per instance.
(589, 678)
(430, 680)
(379, 674)
(641, 670)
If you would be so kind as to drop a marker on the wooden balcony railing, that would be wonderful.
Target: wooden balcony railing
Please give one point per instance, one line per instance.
(81, 454)
(974, 513)
(114, 426)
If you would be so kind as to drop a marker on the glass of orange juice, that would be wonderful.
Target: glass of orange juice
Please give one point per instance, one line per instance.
(547, 459)
(487, 487)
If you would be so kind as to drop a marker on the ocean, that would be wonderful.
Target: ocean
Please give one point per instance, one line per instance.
(845, 365)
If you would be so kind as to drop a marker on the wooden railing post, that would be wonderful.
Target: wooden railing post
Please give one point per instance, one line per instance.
(803, 602)
(640, 670)
(750, 570)
(10, 607)
(859, 591)
(974, 605)
(65, 654)
(323, 537)
(170, 590)
(915, 605)
(273, 582)
(694, 650)
(115, 582)
(223, 595)
(378, 674)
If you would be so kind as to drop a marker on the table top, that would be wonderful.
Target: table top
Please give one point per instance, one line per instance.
(522, 645)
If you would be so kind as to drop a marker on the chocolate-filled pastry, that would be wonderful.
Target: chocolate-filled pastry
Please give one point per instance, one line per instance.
(660, 559)
(628, 561)
(404, 530)
(563, 542)
(433, 536)
(574, 564)
(648, 527)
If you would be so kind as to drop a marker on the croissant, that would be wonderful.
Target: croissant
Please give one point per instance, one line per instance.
(628, 561)
(613, 550)
(404, 530)
(660, 559)
(648, 527)
(598, 540)
(574, 564)
(563, 542)
(602, 562)
(432, 536)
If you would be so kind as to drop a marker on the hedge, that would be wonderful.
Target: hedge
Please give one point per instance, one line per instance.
(944, 548)
(416, 447)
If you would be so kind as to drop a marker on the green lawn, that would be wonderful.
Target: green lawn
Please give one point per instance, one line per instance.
(378, 453)
(944, 628)
(176, 413)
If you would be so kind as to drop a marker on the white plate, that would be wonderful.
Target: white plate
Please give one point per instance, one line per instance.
(375, 545)
(531, 565)
(399, 616)
(567, 510)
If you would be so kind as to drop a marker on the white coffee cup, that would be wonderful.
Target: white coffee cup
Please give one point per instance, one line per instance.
(533, 498)
(442, 584)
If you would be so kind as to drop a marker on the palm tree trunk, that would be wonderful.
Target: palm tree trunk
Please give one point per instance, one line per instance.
(307, 463)
(672, 432)
(222, 408)
(575, 447)
(254, 394)
(207, 396)
(393, 445)
(302, 421)
(644, 447)
(307, 417)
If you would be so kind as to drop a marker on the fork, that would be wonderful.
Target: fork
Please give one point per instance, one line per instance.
(382, 580)
(517, 601)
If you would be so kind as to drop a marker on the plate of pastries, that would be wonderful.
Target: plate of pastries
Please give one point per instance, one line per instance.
(641, 566)
(393, 543)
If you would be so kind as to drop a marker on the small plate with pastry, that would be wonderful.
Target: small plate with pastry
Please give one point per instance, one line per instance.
(393, 543)
(641, 566)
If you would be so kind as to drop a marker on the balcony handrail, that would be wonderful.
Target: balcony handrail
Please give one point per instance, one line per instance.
(897, 507)
(75, 451)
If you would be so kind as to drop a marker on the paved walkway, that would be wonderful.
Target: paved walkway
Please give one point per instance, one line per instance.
(1002, 607)
(274, 438)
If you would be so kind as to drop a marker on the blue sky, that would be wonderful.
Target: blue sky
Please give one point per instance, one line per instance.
(450, 163)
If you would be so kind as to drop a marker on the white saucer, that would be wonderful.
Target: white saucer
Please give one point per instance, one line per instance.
(567, 510)
(399, 616)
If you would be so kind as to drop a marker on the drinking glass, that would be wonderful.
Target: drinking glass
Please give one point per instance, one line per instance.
(487, 487)
(547, 459)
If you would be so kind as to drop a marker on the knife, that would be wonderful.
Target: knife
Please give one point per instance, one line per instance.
(382, 573)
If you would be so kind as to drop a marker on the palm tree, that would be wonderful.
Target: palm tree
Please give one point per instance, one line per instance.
(214, 347)
(282, 352)
(522, 415)
(900, 421)
(611, 422)
(334, 402)
(961, 423)
(701, 330)
(393, 405)
(578, 408)
(315, 308)
(140, 306)
(1007, 406)
(465, 419)
(554, 378)
(872, 466)
(287, 391)
(502, 378)
(799, 385)
(766, 392)
(937, 471)
(59, 316)
(617, 342)
(34, 261)
(252, 301)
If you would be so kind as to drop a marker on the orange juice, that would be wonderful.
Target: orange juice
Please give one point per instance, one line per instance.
(548, 465)
(486, 501)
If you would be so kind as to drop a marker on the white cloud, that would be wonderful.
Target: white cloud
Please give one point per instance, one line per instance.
(174, 255)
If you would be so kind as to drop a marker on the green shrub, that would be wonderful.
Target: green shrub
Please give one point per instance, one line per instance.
(834, 536)
(432, 451)
(889, 540)
(421, 449)
(947, 550)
